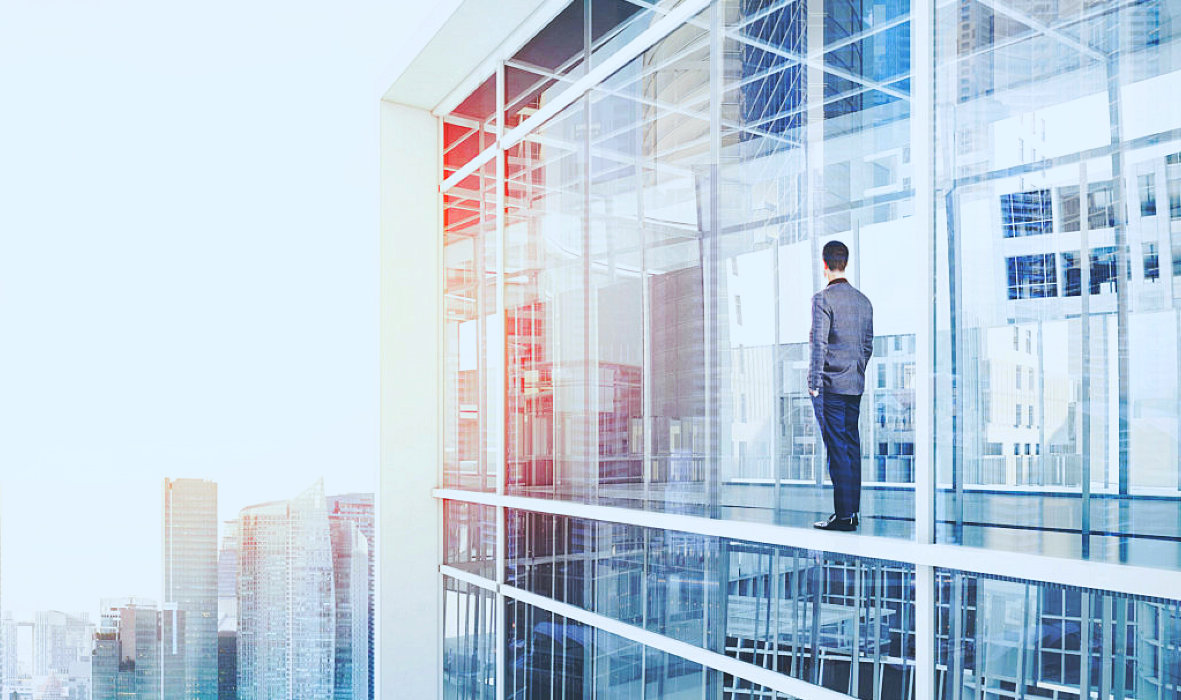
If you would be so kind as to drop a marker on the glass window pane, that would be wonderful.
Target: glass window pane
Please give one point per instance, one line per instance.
(470, 537)
(469, 648)
(471, 330)
(1046, 227)
(470, 128)
(784, 607)
(1009, 638)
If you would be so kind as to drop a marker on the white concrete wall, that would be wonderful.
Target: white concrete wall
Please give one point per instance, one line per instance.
(409, 589)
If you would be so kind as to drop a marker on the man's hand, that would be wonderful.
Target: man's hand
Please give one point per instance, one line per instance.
(814, 392)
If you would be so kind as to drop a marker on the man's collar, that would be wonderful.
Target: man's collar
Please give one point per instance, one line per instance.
(839, 279)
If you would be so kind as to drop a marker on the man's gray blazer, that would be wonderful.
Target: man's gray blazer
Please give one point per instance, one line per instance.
(841, 339)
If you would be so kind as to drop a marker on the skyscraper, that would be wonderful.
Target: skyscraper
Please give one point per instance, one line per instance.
(138, 651)
(350, 559)
(358, 509)
(61, 647)
(190, 577)
(227, 613)
(286, 601)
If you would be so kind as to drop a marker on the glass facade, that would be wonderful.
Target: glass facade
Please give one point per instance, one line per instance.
(842, 622)
(1056, 332)
(190, 578)
(998, 635)
(287, 605)
(634, 204)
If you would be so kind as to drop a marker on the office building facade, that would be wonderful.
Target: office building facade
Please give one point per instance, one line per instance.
(350, 581)
(286, 601)
(602, 222)
(227, 612)
(190, 577)
(357, 508)
(138, 651)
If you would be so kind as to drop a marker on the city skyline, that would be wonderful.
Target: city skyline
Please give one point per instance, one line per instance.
(22, 597)
(78, 651)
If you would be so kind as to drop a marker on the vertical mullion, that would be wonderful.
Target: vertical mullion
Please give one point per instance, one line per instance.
(855, 646)
(1084, 263)
(714, 624)
(708, 257)
(922, 134)
(647, 424)
(499, 380)
(589, 302)
(1087, 627)
(440, 436)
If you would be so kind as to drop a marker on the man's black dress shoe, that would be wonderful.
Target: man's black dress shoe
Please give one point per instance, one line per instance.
(837, 524)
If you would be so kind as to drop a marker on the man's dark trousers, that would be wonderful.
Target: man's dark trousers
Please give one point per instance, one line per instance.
(837, 415)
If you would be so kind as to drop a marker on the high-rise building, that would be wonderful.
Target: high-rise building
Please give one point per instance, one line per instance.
(286, 599)
(138, 651)
(227, 613)
(190, 578)
(61, 652)
(350, 559)
(227, 665)
(7, 655)
(619, 207)
(358, 509)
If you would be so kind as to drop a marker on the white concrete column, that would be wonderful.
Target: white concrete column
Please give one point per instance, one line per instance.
(408, 517)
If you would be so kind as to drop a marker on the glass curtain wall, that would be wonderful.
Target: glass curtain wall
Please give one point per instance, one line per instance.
(1008, 638)
(844, 623)
(1057, 332)
(661, 241)
(629, 271)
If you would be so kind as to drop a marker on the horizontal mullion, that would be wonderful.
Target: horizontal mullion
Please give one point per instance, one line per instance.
(468, 577)
(709, 659)
(1127, 579)
(470, 167)
(820, 65)
(661, 28)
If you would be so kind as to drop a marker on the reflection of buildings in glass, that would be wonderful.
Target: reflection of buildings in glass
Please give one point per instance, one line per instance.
(1062, 234)
(887, 414)
(286, 632)
(1029, 407)
(618, 396)
(784, 607)
(190, 576)
(813, 142)
(1014, 631)
(772, 85)
(469, 641)
(529, 448)
(678, 377)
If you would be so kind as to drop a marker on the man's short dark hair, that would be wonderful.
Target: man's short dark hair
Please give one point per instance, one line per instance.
(836, 256)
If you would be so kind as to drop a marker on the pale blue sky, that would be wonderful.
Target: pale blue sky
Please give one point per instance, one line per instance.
(188, 268)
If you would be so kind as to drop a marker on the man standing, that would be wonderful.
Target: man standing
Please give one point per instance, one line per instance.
(841, 343)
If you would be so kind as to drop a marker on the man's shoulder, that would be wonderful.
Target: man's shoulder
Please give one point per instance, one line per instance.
(860, 294)
(851, 291)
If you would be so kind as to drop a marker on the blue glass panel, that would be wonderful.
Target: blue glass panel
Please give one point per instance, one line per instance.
(1013, 638)
(846, 623)
(469, 641)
